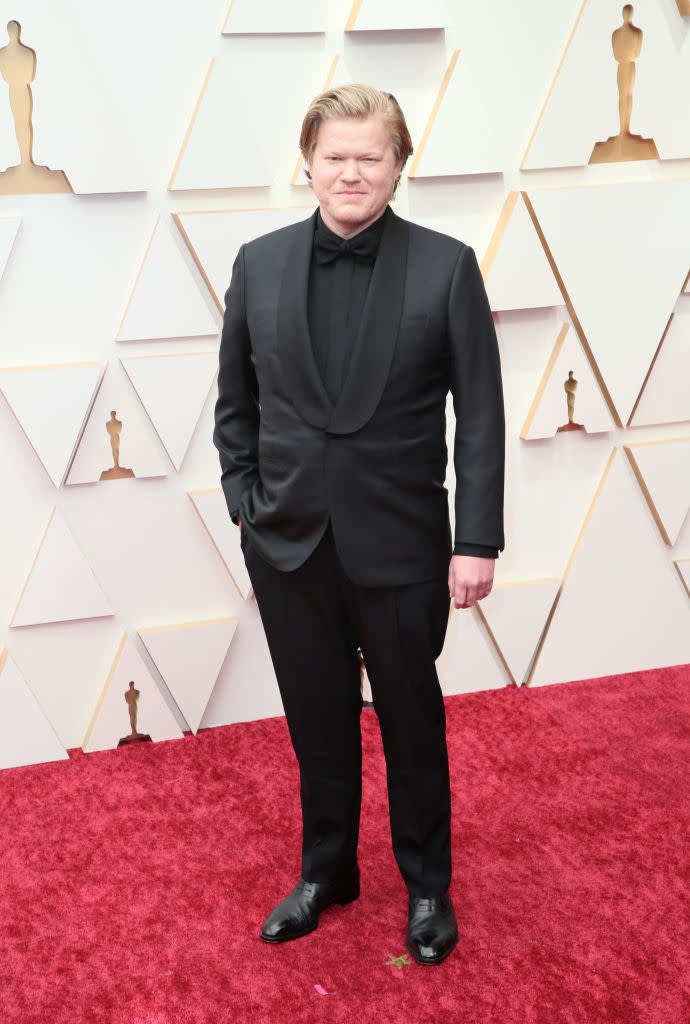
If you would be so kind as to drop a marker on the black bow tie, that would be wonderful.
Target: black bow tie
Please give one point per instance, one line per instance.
(328, 247)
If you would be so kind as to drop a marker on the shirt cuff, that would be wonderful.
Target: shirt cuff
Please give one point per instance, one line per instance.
(475, 550)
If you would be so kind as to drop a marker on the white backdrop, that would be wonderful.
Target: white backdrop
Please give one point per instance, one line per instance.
(177, 127)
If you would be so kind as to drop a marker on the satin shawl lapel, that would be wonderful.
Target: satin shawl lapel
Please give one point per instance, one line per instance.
(301, 375)
(373, 351)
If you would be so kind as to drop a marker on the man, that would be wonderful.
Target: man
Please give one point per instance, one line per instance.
(342, 336)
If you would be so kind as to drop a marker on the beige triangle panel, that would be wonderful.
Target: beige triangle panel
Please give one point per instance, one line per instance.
(620, 608)
(214, 237)
(212, 509)
(131, 708)
(185, 141)
(118, 442)
(683, 569)
(60, 586)
(173, 390)
(684, 7)
(516, 271)
(658, 398)
(496, 239)
(514, 614)
(189, 656)
(459, 138)
(51, 404)
(573, 313)
(9, 228)
(662, 469)
(195, 256)
(233, 155)
(494, 641)
(471, 660)
(26, 735)
(166, 301)
(434, 111)
(553, 84)
(569, 566)
(568, 397)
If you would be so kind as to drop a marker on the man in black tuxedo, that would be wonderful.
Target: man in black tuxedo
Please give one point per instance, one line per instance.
(342, 336)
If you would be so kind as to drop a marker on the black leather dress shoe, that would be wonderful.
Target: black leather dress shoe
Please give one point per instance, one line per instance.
(432, 930)
(298, 914)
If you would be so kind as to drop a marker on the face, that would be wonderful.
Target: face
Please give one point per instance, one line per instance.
(353, 170)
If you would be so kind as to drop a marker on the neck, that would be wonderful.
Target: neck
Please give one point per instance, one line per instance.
(343, 231)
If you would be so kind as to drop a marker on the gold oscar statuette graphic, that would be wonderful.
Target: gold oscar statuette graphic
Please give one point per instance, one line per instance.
(18, 68)
(570, 387)
(132, 698)
(117, 472)
(627, 44)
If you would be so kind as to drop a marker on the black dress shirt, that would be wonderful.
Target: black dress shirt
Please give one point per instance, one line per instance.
(338, 283)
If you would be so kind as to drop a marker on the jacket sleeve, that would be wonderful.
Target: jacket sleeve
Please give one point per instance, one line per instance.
(475, 382)
(236, 431)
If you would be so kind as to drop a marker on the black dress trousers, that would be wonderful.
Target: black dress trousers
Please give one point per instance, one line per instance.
(315, 618)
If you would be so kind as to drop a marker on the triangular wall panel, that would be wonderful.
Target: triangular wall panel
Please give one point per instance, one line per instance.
(140, 450)
(166, 301)
(173, 390)
(663, 472)
(515, 614)
(549, 410)
(665, 397)
(620, 608)
(189, 657)
(683, 567)
(111, 721)
(246, 689)
(247, 17)
(458, 138)
(516, 271)
(581, 107)
(51, 403)
(223, 148)
(213, 512)
(9, 226)
(26, 735)
(214, 238)
(390, 15)
(619, 293)
(469, 660)
(61, 585)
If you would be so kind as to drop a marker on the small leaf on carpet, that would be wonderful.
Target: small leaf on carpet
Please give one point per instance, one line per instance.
(398, 961)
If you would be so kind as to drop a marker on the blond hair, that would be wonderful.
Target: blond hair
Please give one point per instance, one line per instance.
(360, 101)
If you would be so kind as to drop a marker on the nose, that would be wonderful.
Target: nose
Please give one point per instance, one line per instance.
(350, 170)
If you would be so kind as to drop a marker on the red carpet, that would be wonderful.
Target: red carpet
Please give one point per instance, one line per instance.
(134, 882)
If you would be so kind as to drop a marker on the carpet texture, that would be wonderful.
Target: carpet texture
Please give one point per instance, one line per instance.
(134, 882)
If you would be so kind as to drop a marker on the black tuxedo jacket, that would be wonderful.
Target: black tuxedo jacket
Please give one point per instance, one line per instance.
(375, 462)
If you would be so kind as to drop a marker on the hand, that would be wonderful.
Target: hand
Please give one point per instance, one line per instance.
(469, 579)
